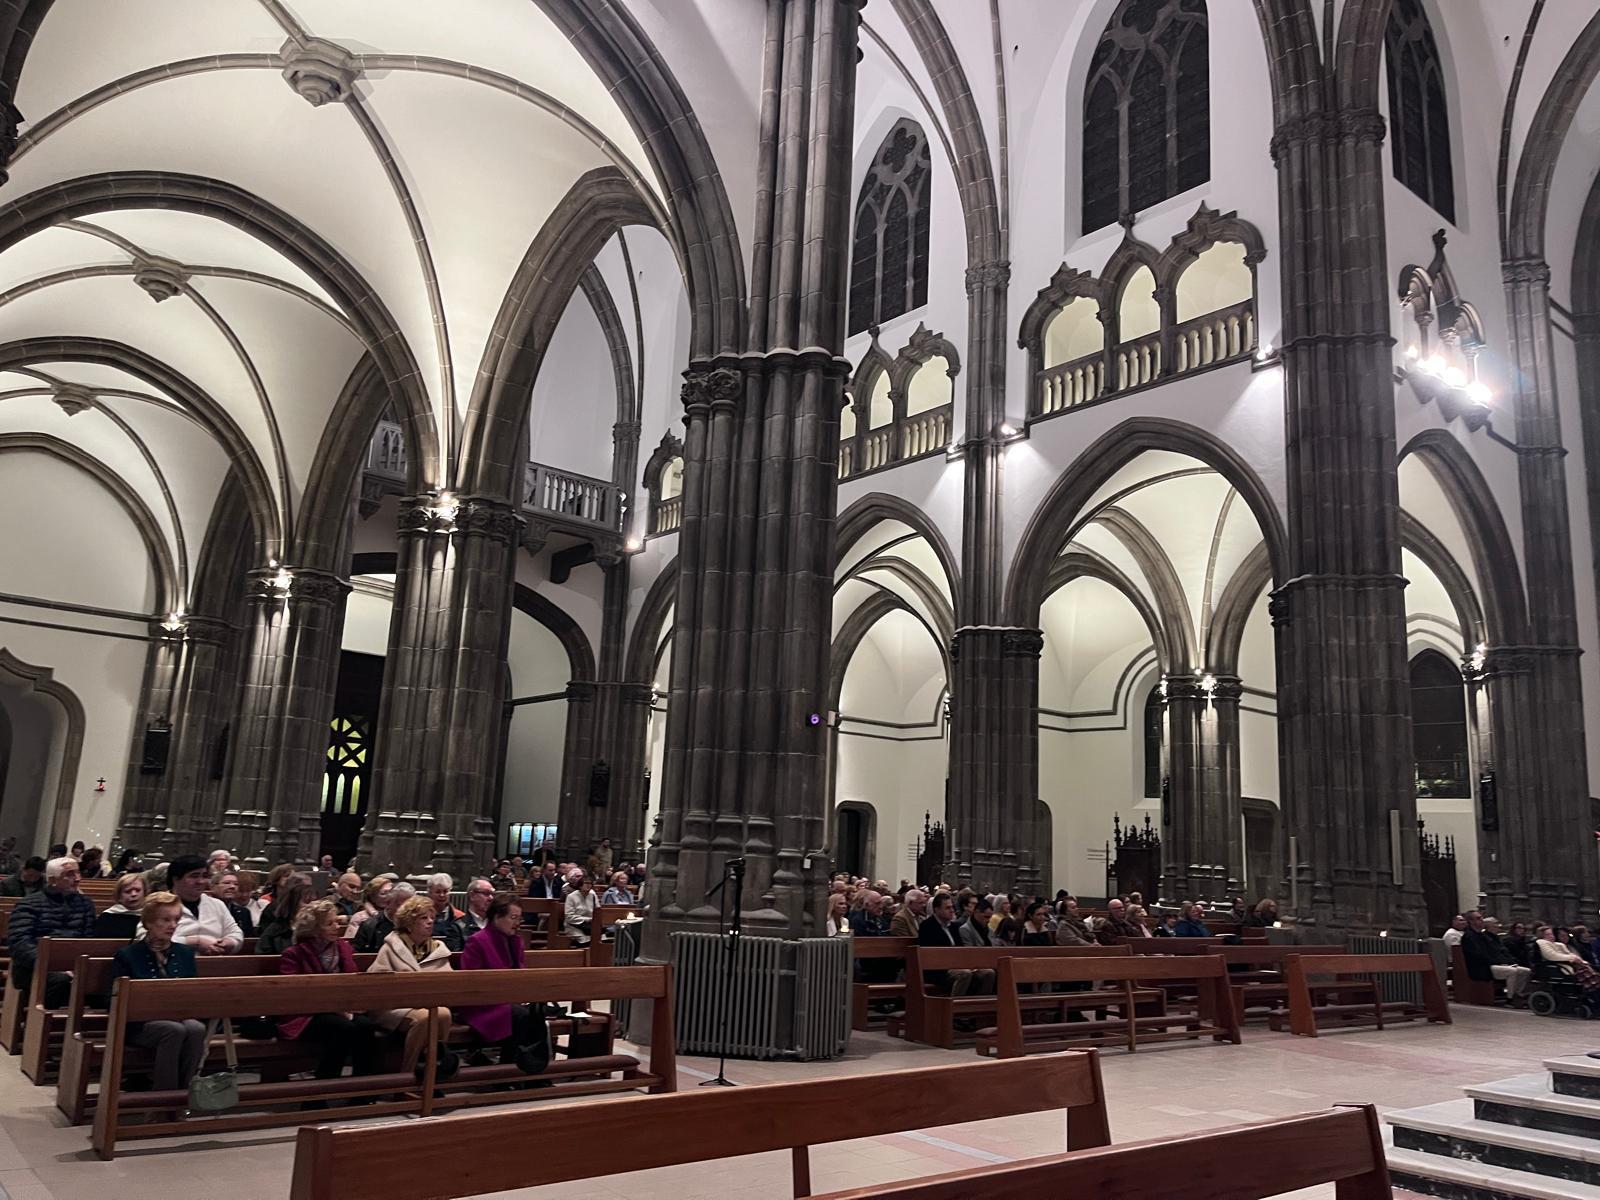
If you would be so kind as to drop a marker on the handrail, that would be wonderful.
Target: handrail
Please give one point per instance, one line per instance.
(572, 497)
(919, 435)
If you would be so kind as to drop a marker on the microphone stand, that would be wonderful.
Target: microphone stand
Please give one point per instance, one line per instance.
(732, 872)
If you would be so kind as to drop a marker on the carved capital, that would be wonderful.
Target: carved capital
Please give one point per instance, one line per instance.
(320, 72)
(1279, 609)
(708, 390)
(1021, 643)
(535, 534)
(284, 585)
(991, 275)
(492, 519)
(1525, 272)
(1351, 125)
(580, 691)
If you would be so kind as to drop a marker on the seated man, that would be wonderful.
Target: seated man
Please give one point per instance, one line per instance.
(1192, 920)
(1457, 930)
(940, 930)
(1487, 958)
(26, 882)
(1114, 925)
(58, 910)
(206, 924)
(908, 920)
(868, 920)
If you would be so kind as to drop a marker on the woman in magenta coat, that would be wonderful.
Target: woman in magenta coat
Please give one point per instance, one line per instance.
(341, 1037)
(518, 1029)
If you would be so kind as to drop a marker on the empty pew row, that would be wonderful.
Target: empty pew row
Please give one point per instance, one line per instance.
(120, 1114)
(1120, 978)
(442, 1160)
(1310, 978)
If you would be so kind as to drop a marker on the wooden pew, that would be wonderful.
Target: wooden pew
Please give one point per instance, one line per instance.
(1464, 989)
(1304, 971)
(86, 1037)
(605, 916)
(1214, 1017)
(445, 1159)
(931, 1016)
(44, 1028)
(1262, 981)
(263, 1105)
(1172, 945)
(864, 992)
(541, 923)
(1343, 1146)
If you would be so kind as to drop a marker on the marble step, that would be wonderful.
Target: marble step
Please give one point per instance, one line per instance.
(1450, 1130)
(1528, 1101)
(1574, 1075)
(1458, 1179)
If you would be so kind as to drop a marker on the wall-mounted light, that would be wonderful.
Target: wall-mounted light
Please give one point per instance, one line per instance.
(633, 545)
(282, 580)
(445, 507)
(1008, 433)
(1208, 683)
(175, 621)
(1480, 655)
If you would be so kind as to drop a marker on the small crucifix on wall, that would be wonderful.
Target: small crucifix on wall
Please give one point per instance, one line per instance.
(100, 784)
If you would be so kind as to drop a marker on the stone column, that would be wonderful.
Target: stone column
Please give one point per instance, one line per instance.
(143, 814)
(440, 722)
(1552, 799)
(1344, 703)
(1202, 830)
(745, 763)
(190, 797)
(273, 807)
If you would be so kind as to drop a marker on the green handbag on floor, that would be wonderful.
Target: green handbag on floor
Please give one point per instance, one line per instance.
(218, 1092)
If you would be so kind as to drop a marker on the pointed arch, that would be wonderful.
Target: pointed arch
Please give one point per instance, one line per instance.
(856, 521)
(42, 681)
(889, 244)
(580, 655)
(1419, 110)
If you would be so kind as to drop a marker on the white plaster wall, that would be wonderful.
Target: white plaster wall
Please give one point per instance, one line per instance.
(575, 395)
(367, 617)
(536, 740)
(105, 672)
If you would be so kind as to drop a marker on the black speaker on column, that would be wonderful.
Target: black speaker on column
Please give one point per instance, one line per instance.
(157, 743)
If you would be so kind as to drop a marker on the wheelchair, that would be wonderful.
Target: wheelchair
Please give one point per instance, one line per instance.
(1555, 992)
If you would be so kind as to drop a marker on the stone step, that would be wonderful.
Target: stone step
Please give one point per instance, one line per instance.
(1457, 1179)
(1528, 1101)
(1574, 1075)
(1450, 1130)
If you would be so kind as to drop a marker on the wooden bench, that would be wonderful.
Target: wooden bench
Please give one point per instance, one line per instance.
(445, 1159)
(86, 1036)
(931, 1016)
(1306, 973)
(602, 948)
(866, 992)
(267, 1105)
(1213, 1017)
(1255, 973)
(541, 923)
(1171, 945)
(1464, 989)
(1246, 1162)
(44, 1029)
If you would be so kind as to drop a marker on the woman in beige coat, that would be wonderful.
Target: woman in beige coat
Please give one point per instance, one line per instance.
(411, 946)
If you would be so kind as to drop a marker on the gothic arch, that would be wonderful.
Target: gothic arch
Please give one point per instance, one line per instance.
(923, 346)
(1206, 228)
(1420, 130)
(1233, 609)
(494, 439)
(374, 325)
(1085, 564)
(646, 637)
(671, 447)
(1494, 558)
(41, 681)
(169, 592)
(580, 656)
(1418, 539)
(1053, 522)
(856, 521)
(890, 230)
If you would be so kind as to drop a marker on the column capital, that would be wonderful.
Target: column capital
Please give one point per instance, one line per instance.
(1013, 641)
(1525, 272)
(1324, 128)
(994, 274)
(706, 389)
(305, 586)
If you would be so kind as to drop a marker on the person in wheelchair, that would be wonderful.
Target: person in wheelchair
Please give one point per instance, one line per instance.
(1554, 950)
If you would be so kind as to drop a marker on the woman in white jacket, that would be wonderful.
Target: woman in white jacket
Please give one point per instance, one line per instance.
(580, 906)
(411, 946)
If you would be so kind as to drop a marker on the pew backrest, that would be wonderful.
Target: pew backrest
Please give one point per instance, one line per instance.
(1267, 955)
(881, 947)
(1343, 1146)
(978, 958)
(440, 1158)
(1302, 969)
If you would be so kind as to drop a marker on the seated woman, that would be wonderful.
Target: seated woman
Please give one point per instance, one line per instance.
(374, 899)
(340, 1036)
(581, 903)
(121, 920)
(518, 1029)
(179, 1046)
(411, 946)
(1553, 948)
(276, 934)
(1191, 921)
(1036, 929)
(838, 916)
(1137, 917)
(1519, 944)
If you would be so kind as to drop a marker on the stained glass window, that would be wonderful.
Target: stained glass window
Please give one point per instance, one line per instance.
(1419, 119)
(889, 256)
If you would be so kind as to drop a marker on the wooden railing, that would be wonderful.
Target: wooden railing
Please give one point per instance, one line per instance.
(666, 515)
(572, 497)
(1215, 337)
(917, 436)
(1227, 335)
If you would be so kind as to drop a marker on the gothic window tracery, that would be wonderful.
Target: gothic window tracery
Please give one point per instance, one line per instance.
(1146, 110)
(889, 257)
(1419, 117)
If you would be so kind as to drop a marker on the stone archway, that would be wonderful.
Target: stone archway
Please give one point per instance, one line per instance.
(58, 782)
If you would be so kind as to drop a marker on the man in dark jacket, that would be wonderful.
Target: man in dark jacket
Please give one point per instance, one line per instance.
(1487, 958)
(58, 910)
(546, 885)
(369, 937)
(940, 929)
(1114, 925)
(27, 881)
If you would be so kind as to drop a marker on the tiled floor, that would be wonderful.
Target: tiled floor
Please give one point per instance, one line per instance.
(1161, 1091)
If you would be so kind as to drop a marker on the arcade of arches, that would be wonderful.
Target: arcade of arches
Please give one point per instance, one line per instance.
(985, 427)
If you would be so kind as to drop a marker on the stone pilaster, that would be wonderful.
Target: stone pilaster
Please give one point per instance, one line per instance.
(1344, 704)
(143, 815)
(745, 764)
(439, 725)
(1202, 831)
(191, 798)
(273, 808)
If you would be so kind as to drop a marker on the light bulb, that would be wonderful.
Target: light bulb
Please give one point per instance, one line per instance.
(1265, 352)
(1454, 377)
(1478, 392)
(1412, 351)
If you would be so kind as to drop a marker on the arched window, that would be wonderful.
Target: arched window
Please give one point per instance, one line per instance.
(1439, 728)
(1419, 119)
(889, 260)
(1154, 722)
(1146, 109)
(663, 480)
